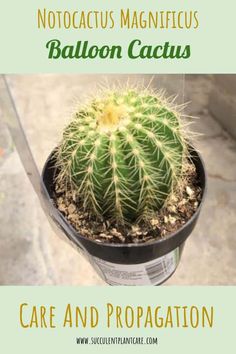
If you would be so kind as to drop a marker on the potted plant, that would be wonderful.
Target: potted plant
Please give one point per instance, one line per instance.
(126, 186)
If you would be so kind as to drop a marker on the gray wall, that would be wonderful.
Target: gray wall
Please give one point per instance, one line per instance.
(222, 101)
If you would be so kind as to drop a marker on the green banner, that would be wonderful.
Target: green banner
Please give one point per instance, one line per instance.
(163, 36)
(106, 319)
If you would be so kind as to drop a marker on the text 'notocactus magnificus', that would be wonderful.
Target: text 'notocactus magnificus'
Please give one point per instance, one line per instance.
(122, 154)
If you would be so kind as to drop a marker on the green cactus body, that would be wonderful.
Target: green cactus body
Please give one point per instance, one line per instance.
(122, 154)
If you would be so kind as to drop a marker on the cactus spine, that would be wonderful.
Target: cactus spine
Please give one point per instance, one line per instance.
(122, 154)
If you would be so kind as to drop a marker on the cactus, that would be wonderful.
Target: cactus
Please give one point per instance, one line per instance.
(123, 154)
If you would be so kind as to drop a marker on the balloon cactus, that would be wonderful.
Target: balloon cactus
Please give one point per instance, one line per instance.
(123, 154)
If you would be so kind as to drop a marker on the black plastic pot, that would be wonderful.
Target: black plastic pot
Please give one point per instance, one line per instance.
(126, 264)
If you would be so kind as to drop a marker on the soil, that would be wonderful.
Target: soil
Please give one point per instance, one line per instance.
(176, 212)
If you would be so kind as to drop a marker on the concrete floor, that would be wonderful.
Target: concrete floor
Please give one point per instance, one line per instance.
(30, 252)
